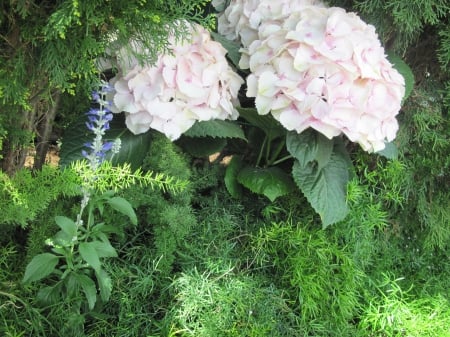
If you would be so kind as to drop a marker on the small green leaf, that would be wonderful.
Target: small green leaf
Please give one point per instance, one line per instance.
(123, 206)
(67, 225)
(232, 48)
(104, 283)
(325, 188)
(39, 267)
(390, 151)
(231, 173)
(90, 255)
(271, 127)
(215, 128)
(271, 182)
(89, 289)
(104, 248)
(405, 71)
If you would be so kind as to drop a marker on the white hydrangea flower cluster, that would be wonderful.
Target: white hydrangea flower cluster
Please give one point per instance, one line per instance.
(193, 83)
(317, 67)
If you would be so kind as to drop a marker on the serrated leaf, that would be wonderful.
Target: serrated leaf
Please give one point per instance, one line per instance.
(231, 173)
(271, 127)
(39, 267)
(405, 71)
(133, 147)
(271, 182)
(325, 188)
(232, 48)
(202, 147)
(89, 289)
(123, 206)
(215, 129)
(67, 225)
(104, 283)
(390, 151)
(309, 146)
(89, 254)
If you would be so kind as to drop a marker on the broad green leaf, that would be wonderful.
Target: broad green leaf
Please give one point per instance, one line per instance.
(90, 255)
(405, 71)
(50, 295)
(39, 267)
(123, 206)
(232, 48)
(89, 289)
(390, 151)
(202, 147)
(325, 188)
(104, 283)
(67, 225)
(309, 146)
(133, 147)
(216, 129)
(271, 127)
(104, 248)
(271, 182)
(231, 173)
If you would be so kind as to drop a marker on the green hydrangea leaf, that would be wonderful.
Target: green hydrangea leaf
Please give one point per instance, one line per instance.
(133, 147)
(231, 173)
(271, 127)
(326, 187)
(405, 71)
(390, 151)
(232, 48)
(215, 129)
(272, 182)
(309, 146)
(202, 147)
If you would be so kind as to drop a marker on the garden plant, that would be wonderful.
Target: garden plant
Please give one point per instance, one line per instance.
(225, 168)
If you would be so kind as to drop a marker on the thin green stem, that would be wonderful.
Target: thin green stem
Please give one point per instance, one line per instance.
(258, 161)
(276, 153)
(276, 162)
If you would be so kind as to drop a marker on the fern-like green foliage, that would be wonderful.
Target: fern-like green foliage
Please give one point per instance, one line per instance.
(109, 177)
(48, 48)
(167, 216)
(425, 145)
(402, 22)
(27, 193)
(321, 277)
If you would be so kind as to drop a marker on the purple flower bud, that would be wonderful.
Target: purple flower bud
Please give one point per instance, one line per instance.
(90, 126)
(107, 146)
(93, 112)
(95, 96)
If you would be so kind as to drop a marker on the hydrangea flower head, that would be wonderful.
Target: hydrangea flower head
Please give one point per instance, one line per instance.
(325, 68)
(193, 83)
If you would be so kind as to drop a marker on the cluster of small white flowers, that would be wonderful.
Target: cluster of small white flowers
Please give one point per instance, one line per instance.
(192, 83)
(319, 67)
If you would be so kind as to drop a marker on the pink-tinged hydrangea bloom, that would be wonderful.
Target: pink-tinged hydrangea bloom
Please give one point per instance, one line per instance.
(325, 68)
(241, 20)
(193, 83)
